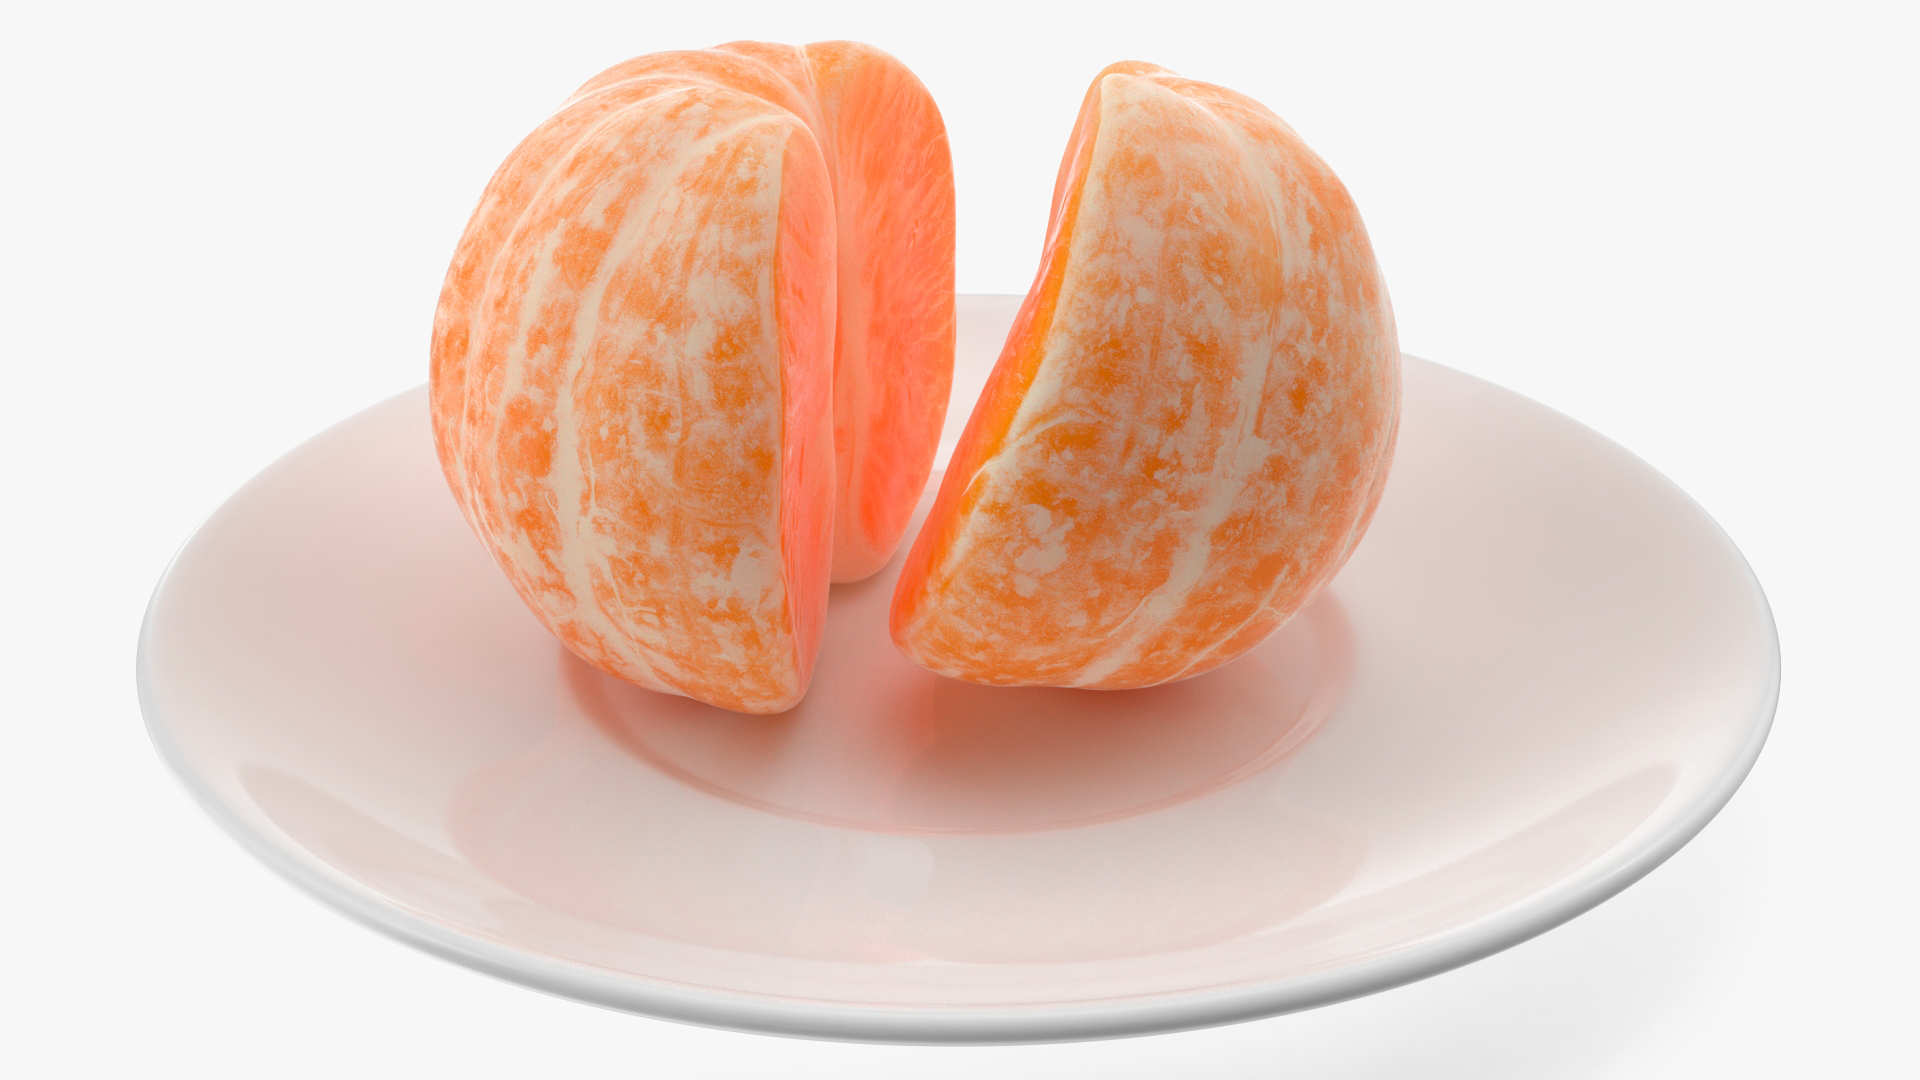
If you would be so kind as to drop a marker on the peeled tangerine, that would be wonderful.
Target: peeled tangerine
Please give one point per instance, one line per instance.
(693, 354)
(1191, 422)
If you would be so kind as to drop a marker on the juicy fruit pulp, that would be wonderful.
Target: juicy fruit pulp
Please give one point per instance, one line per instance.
(692, 356)
(1193, 417)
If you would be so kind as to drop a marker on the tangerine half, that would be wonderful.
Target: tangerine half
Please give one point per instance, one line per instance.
(692, 356)
(1193, 417)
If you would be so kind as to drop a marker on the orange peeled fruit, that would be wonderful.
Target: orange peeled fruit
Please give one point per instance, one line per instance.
(1192, 419)
(692, 356)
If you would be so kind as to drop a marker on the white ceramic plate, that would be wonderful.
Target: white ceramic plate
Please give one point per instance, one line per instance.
(1543, 671)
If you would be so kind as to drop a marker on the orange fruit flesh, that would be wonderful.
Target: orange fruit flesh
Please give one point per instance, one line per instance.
(634, 364)
(1193, 416)
(893, 361)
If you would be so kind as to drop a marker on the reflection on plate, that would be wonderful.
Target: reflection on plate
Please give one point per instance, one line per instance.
(1544, 670)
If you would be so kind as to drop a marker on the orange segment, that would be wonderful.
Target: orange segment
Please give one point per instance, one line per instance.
(893, 359)
(1188, 428)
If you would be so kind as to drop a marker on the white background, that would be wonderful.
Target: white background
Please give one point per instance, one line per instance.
(1690, 226)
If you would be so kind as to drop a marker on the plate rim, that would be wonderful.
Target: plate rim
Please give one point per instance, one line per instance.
(704, 1006)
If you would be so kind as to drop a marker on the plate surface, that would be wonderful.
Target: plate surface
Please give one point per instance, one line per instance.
(1542, 672)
